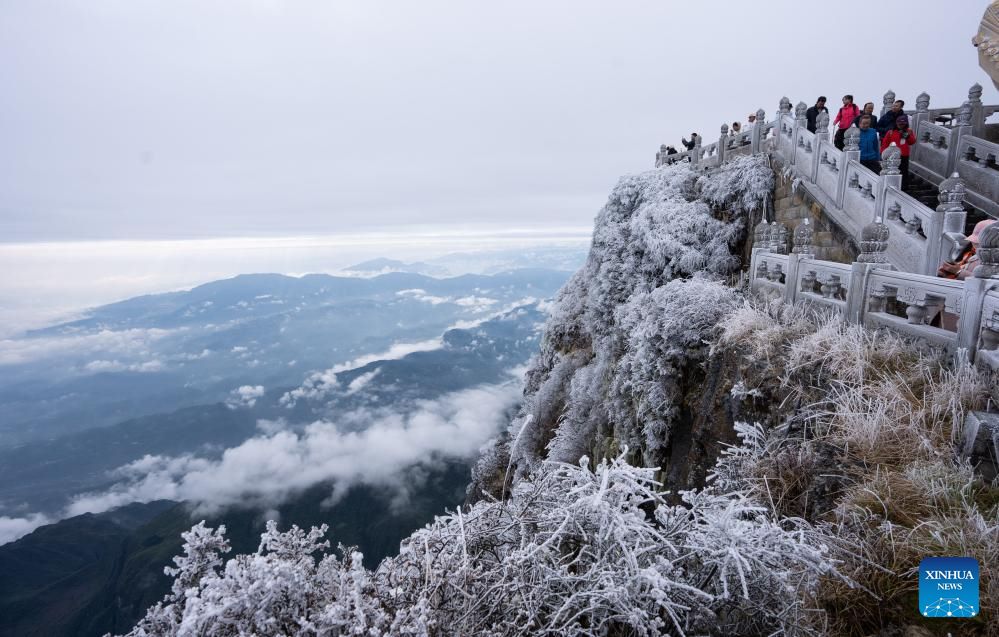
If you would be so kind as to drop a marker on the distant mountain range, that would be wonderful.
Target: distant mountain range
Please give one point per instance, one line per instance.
(154, 354)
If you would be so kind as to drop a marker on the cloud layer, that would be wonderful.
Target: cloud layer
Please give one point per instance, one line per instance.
(369, 445)
(14, 528)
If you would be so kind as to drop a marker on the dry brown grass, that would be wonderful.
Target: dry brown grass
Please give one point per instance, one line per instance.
(885, 415)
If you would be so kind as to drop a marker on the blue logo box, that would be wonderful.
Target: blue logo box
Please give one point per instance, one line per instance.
(948, 587)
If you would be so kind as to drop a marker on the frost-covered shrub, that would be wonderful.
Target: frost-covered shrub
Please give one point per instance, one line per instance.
(660, 330)
(574, 551)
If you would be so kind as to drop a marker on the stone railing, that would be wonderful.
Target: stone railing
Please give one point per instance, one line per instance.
(951, 314)
(852, 195)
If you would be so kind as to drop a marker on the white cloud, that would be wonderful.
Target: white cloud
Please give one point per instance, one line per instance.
(133, 342)
(480, 303)
(245, 396)
(115, 365)
(14, 528)
(370, 446)
(361, 382)
(421, 295)
(319, 384)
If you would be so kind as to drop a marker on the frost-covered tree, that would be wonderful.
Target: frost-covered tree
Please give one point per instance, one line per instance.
(573, 551)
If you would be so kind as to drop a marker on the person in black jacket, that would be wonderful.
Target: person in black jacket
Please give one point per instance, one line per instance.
(693, 141)
(887, 121)
(813, 113)
(869, 111)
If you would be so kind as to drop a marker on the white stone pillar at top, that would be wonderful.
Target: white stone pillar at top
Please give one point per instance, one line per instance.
(851, 151)
(759, 132)
(961, 128)
(722, 144)
(916, 122)
(821, 135)
(887, 101)
(977, 110)
(800, 124)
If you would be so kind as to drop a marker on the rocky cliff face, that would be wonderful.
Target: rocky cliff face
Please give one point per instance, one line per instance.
(624, 361)
(842, 475)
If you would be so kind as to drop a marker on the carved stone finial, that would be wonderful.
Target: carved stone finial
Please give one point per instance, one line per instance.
(761, 117)
(923, 103)
(975, 93)
(891, 160)
(888, 99)
(724, 130)
(964, 115)
(873, 242)
(761, 235)
(822, 125)
(988, 252)
(785, 105)
(852, 139)
(951, 196)
(894, 212)
(778, 238)
(802, 239)
(800, 110)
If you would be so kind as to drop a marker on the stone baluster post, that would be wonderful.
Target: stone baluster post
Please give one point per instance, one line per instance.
(723, 144)
(758, 136)
(873, 246)
(891, 177)
(952, 218)
(821, 135)
(783, 109)
(785, 106)
(977, 110)
(800, 124)
(802, 239)
(695, 152)
(961, 128)
(917, 123)
(887, 101)
(777, 237)
(661, 156)
(851, 151)
(985, 278)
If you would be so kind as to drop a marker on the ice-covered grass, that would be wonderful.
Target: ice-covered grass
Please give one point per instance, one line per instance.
(870, 455)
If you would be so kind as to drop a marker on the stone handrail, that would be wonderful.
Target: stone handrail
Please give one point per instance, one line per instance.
(965, 314)
(977, 165)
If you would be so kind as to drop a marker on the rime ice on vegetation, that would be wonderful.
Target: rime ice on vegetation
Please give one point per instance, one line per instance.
(574, 551)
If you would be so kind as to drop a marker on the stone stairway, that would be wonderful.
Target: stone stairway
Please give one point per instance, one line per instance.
(926, 193)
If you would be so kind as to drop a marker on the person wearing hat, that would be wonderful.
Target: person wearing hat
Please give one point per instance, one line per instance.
(963, 258)
(903, 137)
(887, 121)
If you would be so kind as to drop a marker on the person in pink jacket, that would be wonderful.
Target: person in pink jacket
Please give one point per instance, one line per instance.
(844, 120)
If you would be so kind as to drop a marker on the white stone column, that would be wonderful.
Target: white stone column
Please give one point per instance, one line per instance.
(850, 151)
(722, 144)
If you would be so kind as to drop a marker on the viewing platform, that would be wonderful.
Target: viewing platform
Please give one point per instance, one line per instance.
(900, 241)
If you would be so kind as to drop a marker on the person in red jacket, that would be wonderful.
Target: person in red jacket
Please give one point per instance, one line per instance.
(844, 119)
(903, 137)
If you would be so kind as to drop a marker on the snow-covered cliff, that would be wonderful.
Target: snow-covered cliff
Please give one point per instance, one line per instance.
(612, 505)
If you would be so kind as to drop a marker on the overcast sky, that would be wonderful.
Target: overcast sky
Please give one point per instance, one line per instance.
(133, 119)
